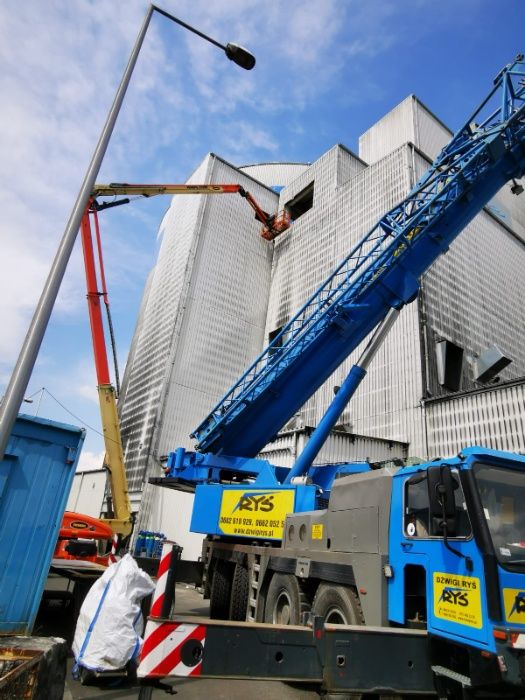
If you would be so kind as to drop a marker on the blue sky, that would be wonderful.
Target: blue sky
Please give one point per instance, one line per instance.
(326, 70)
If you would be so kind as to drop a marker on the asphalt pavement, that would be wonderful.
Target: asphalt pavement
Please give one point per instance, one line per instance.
(57, 621)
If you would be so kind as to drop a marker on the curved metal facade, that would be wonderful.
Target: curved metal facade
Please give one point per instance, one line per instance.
(276, 175)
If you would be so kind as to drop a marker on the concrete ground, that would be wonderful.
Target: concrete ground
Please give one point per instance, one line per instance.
(57, 622)
(197, 689)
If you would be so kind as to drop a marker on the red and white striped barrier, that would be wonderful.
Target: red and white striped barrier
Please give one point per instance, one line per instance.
(162, 579)
(112, 558)
(172, 649)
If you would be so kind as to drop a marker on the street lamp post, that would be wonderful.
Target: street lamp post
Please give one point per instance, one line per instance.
(26, 360)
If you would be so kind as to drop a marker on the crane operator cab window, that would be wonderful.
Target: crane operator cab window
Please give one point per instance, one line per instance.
(418, 522)
(502, 493)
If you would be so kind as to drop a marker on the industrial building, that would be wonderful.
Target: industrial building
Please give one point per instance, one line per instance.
(450, 374)
(202, 318)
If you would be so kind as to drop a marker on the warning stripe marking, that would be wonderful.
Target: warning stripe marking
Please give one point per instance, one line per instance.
(112, 557)
(164, 564)
(158, 596)
(156, 606)
(155, 637)
(173, 661)
(162, 577)
(187, 671)
(161, 654)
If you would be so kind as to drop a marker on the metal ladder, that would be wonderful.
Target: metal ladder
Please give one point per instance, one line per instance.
(253, 594)
(206, 568)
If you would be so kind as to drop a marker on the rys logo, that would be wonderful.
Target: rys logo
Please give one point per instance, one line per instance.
(255, 502)
(455, 596)
(457, 599)
(519, 604)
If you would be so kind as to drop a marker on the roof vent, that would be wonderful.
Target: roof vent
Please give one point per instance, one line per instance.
(490, 364)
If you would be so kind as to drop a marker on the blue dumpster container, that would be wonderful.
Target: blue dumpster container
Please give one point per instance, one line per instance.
(35, 479)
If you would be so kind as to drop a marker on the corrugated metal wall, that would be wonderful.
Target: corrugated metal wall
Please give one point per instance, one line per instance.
(348, 199)
(340, 447)
(35, 478)
(202, 323)
(87, 493)
(409, 122)
(431, 135)
(491, 418)
(473, 296)
(157, 331)
(201, 320)
(306, 254)
(510, 208)
(222, 322)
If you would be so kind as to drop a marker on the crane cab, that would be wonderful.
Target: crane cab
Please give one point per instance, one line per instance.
(457, 558)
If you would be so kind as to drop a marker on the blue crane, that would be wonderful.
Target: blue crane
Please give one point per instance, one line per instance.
(382, 272)
(425, 545)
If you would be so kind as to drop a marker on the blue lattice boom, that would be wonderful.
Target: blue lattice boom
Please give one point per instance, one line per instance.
(382, 271)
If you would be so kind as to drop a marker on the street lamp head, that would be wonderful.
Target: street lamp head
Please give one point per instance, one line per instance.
(235, 53)
(240, 56)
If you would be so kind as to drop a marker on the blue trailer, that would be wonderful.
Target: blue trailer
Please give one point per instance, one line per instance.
(36, 475)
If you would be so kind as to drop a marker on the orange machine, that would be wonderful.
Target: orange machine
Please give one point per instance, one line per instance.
(79, 538)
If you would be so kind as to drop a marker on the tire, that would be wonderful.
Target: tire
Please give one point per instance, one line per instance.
(285, 601)
(86, 677)
(239, 596)
(221, 589)
(338, 605)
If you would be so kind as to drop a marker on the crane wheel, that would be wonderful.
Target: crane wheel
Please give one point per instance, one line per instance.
(221, 590)
(339, 605)
(239, 596)
(285, 601)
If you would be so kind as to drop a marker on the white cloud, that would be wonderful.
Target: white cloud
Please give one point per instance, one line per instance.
(247, 140)
(86, 391)
(90, 461)
(311, 30)
(52, 111)
(83, 386)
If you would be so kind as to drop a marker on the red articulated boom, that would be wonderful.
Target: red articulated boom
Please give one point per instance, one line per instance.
(75, 527)
(80, 535)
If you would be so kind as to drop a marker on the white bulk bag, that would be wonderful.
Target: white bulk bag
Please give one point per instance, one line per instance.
(110, 623)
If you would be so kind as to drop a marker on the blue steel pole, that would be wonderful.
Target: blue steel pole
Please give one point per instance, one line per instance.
(341, 399)
(321, 433)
